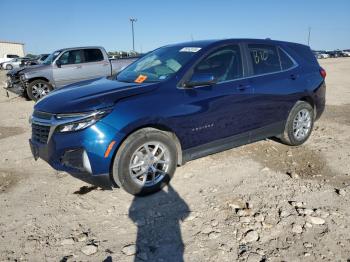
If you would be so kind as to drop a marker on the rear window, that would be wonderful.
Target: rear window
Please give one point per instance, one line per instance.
(93, 55)
(265, 58)
(286, 61)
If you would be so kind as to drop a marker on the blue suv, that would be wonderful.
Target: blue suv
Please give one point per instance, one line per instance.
(178, 103)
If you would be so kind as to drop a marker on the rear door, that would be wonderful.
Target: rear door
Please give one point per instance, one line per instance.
(275, 79)
(95, 64)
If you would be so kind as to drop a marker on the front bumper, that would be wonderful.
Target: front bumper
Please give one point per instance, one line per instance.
(14, 81)
(80, 153)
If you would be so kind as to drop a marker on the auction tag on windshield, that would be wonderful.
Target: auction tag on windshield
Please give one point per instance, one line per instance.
(140, 79)
(190, 49)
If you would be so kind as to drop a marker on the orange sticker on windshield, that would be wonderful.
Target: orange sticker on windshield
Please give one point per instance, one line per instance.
(140, 79)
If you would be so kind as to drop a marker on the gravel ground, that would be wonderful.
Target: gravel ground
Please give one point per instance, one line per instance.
(260, 202)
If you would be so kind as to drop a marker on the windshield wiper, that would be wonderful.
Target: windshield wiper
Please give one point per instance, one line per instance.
(124, 81)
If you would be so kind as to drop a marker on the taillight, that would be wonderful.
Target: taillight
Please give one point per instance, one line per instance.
(323, 73)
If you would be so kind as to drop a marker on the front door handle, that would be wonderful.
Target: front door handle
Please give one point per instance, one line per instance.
(243, 87)
(78, 67)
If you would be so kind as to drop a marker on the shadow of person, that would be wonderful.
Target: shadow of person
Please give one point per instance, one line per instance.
(158, 226)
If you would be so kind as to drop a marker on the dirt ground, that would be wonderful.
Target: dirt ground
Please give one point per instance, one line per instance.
(260, 202)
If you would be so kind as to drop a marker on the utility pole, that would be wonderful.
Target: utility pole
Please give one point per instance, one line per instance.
(133, 20)
(308, 38)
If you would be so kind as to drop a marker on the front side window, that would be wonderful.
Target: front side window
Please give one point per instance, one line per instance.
(264, 58)
(158, 65)
(71, 57)
(224, 64)
(93, 55)
(12, 56)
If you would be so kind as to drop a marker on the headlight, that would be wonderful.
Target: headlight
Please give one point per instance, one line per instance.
(86, 121)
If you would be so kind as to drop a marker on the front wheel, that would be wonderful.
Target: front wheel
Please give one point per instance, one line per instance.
(299, 124)
(9, 67)
(38, 89)
(145, 162)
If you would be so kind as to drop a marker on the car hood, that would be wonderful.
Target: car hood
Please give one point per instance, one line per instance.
(27, 69)
(34, 68)
(15, 71)
(90, 95)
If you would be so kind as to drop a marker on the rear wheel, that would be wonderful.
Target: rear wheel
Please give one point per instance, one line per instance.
(9, 67)
(145, 162)
(38, 89)
(299, 124)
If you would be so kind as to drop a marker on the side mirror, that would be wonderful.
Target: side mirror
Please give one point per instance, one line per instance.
(58, 63)
(199, 79)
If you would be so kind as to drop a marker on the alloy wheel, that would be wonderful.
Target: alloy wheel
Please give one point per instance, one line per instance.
(149, 164)
(40, 90)
(302, 124)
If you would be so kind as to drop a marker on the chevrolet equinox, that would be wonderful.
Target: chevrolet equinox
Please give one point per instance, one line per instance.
(178, 103)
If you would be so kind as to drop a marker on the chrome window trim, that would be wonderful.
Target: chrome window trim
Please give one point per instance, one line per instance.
(252, 76)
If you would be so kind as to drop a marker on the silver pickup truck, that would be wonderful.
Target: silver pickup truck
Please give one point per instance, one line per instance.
(63, 67)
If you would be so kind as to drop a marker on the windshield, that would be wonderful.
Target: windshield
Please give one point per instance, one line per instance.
(158, 65)
(51, 58)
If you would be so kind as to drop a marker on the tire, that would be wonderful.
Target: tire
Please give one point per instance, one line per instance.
(38, 89)
(302, 114)
(9, 67)
(132, 159)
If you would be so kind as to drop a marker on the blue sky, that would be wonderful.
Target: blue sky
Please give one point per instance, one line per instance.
(46, 25)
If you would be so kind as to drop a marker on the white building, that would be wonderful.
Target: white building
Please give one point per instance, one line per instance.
(12, 48)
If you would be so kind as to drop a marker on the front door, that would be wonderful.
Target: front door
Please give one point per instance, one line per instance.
(221, 110)
(70, 69)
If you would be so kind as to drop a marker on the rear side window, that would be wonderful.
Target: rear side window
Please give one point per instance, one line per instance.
(286, 61)
(224, 63)
(93, 55)
(12, 56)
(265, 58)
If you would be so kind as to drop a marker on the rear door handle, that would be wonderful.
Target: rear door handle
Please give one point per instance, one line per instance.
(243, 87)
(78, 67)
(294, 76)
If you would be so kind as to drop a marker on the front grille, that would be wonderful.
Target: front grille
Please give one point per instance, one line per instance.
(40, 133)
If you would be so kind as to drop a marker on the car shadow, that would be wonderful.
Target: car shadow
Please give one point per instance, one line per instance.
(158, 219)
(102, 182)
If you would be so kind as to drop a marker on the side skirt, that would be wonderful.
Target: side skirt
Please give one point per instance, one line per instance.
(233, 141)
